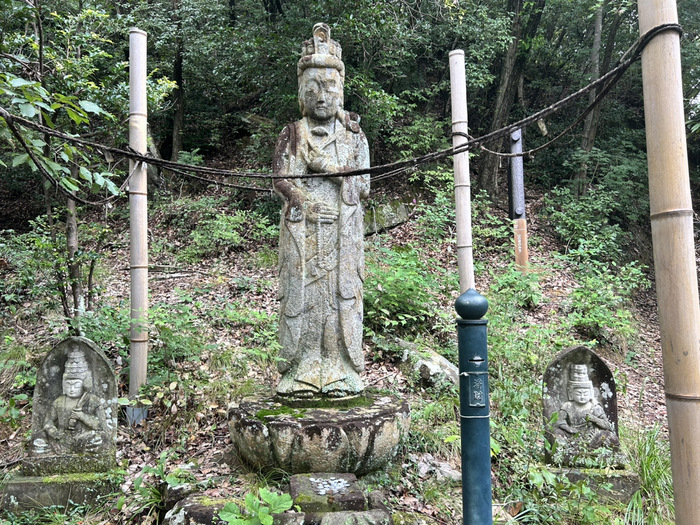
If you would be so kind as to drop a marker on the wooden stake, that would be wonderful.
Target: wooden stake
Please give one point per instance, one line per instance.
(674, 250)
(465, 258)
(138, 216)
(522, 254)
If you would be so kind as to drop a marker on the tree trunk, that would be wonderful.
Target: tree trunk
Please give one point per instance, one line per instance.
(74, 278)
(178, 93)
(524, 27)
(590, 126)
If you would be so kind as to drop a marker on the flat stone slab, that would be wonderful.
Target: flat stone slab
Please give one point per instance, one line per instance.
(368, 517)
(326, 492)
(611, 485)
(61, 490)
(358, 439)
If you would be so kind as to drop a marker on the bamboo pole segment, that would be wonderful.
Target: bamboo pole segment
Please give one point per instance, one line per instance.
(138, 212)
(674, 251)
(458, 86)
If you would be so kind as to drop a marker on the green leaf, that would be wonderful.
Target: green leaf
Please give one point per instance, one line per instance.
(173, 481)
(75, 117)
(282, 503)
(91, 107)
(69, 184)
(265, 517)
(18, 82)
(86, 174)
(19, 159)
(251, 502)
(124, 401)
(229, 512)
(27, 110)
(268, 496)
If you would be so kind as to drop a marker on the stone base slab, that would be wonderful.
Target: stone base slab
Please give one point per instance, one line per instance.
(62, 490)
(623, 483)
(359, 439)
(69, 464)
(326, 492)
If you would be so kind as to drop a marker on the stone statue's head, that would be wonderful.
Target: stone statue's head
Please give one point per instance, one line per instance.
(321, 75)
(76, 375)
(580, 387)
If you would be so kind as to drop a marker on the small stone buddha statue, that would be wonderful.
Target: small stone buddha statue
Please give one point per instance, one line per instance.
(76, 422)
(581, 418)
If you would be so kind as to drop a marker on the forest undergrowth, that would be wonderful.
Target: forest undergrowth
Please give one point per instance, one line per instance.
(213, 342)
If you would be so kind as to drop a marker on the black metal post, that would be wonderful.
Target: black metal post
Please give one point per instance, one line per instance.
(474, 408)
(516, 178)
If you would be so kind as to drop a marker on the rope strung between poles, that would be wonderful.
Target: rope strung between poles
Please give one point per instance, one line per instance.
(605, 82)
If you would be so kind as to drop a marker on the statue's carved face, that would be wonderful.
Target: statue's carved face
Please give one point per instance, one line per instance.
(320, 93)
(73, 388)
(580, 395)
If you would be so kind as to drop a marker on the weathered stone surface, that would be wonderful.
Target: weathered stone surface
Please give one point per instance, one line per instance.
(385, 216)
(431, 368)
(429, 466)
(580, 411)
(74, 418)
(359, 439)
(326, 492)
(376, 499)
(60, 490)
(321, 232)
(368, 517)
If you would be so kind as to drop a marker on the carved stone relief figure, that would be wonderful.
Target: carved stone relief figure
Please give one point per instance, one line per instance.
(74, 411)
(76, 421)
(582, 417)
(321, 232)
(580, 411)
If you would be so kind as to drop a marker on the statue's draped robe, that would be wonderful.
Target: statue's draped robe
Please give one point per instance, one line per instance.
(321, 265)
(594, 435)
(77, 436)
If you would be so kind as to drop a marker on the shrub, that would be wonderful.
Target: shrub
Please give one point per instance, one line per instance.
(398, 292)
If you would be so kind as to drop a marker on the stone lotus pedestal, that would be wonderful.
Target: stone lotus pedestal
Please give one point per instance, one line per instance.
(71, 454)
(357, 439)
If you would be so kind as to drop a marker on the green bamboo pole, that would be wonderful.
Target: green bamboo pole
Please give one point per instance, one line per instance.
(674, 251)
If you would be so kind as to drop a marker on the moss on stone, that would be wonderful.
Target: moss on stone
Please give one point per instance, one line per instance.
(345, 403)
(81, 477)
(303, 498)
(283, 410)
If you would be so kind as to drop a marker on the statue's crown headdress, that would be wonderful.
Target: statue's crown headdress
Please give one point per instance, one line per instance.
(77, 367)
(321, 51)
(578, 376)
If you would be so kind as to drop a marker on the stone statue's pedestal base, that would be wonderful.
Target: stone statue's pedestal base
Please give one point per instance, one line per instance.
(68, 463)
(612, 485)
(63, 490)
(360, 437)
